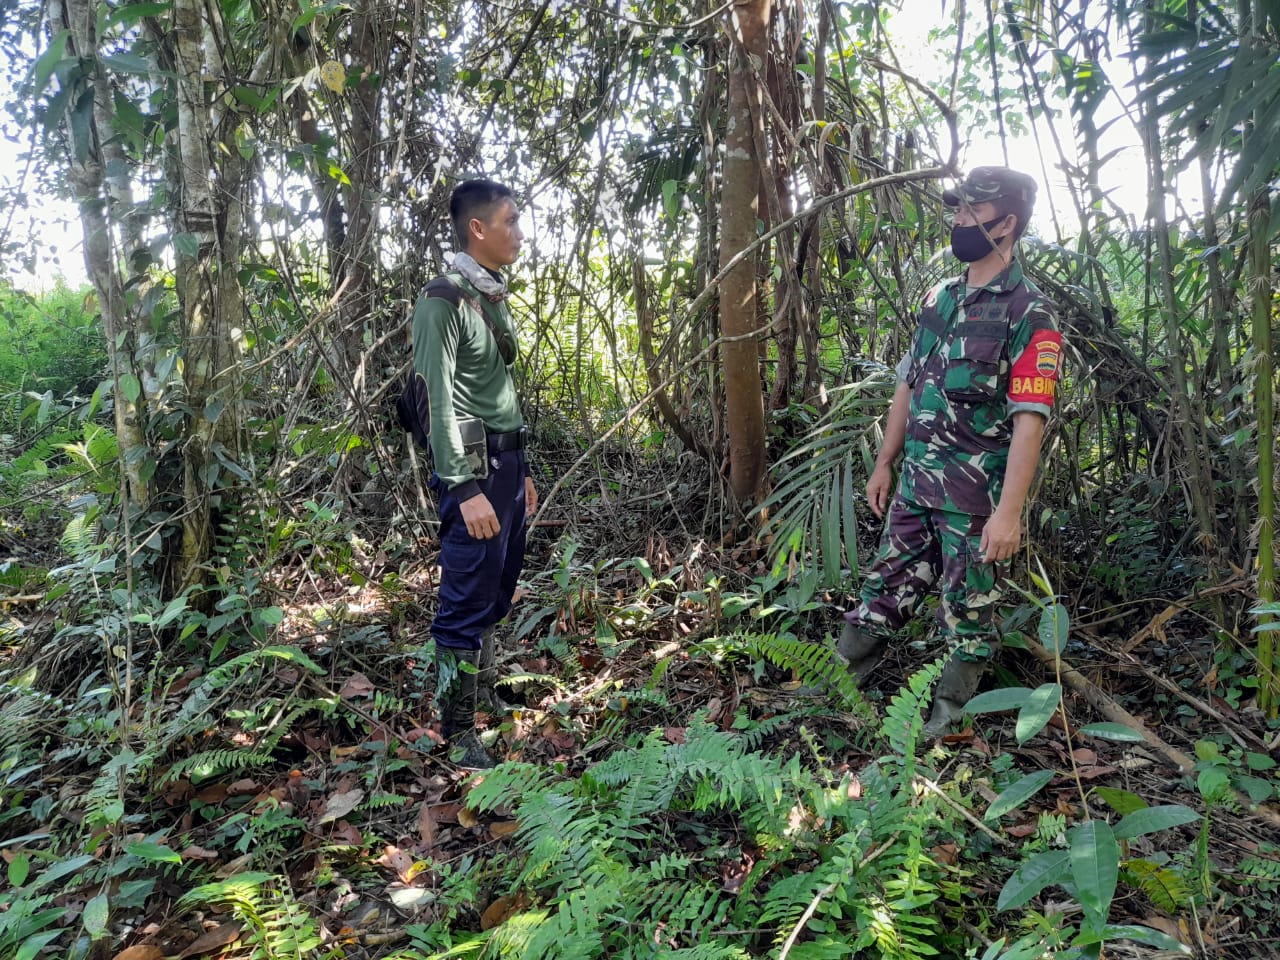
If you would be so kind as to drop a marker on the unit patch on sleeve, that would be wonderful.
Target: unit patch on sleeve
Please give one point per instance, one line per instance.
(1035, 371)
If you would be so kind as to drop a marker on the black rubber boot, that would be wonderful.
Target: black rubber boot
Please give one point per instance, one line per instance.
(456, 699)
(862, 649)
(487, 678)
(956, 687)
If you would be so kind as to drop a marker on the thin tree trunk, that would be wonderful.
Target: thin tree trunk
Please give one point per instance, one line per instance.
(1197, 482)
(206, 279)
(98, 195)
(1264, 401)
(739, 305)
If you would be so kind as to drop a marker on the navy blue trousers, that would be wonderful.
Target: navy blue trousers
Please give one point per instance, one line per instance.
(479, 576)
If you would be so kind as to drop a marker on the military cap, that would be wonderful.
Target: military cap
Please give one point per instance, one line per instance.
(984, 184)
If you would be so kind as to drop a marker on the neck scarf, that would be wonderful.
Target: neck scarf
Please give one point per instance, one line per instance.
(494, 288)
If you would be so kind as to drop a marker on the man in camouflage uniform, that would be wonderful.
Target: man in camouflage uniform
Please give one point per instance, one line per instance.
(973, 394)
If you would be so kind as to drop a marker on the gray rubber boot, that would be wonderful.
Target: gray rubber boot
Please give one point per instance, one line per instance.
(862, 649)
(956, 687)
(456, 700)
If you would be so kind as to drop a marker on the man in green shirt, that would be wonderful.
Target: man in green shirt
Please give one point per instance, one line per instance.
(464, 347)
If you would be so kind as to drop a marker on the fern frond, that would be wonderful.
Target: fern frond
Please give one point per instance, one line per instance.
(816, 663)
(1163, 886)
(904, 718)
(1265, 866)
(508, 785)
(209, 763)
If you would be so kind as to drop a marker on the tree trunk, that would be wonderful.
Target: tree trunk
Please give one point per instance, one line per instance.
(208, 236)
(739, 308)
(100, 195)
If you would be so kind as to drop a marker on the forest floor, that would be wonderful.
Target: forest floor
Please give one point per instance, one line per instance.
(359, 808)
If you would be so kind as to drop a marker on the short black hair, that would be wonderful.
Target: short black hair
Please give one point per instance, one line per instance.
(474, 199)
(1019, 208)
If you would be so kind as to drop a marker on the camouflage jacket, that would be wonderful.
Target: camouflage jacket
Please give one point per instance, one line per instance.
(978, 356)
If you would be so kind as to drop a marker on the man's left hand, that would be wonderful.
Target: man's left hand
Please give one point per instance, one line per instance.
(530, 497)
(1000, 537)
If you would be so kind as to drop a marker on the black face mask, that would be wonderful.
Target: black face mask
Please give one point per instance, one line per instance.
(969, 243)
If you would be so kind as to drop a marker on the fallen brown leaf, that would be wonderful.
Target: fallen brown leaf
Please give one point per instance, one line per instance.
(357, 685)
(947, 854)
(141, 951)
(427, 826)
(504, 828)
(212, 940)
(243, 788)
(213, 795)
(344, 832)
(502, 909)
(338, 805)
(468, 818)
(401, 863)
(674, 734)
(198, 853)
(1092, 773)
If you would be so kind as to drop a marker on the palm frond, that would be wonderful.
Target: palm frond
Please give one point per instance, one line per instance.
(812, 517)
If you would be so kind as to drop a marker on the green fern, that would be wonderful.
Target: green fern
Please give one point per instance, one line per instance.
(277, 926)
(210, 763)
(816, 663)
(601, 854)
(1164, 887)
(904, 718)
(1264, 866)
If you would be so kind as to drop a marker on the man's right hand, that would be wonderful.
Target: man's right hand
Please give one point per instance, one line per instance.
(880, 488)
(477, 514)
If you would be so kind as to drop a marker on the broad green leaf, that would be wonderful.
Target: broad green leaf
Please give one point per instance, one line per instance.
(670, 199)
(1259, 761)
(32, 946)
(1145, 935)
(45, 64)
(187, 244)
(1095, 868)
(1042, 870)
(993, 701)
(128, 63)
(1112, 731)
(62, 869)
(172, 611)
(134, 12)
(130, 387)
(1257, 789)
(152, 852)
(1039, 708)
(1213, 782)
(1053, 628)
(1017, 793)
(95, 916)
(273, 616)
(19, 869)
(1121, 801)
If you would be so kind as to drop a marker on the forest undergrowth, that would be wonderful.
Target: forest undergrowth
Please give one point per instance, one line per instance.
(264, 778)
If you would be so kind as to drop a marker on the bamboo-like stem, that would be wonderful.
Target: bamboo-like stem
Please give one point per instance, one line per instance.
(1264, 403)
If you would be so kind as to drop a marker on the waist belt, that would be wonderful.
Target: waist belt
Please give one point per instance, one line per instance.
(501, 442)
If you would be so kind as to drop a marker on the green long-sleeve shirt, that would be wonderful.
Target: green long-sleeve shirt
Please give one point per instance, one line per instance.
(460, 359)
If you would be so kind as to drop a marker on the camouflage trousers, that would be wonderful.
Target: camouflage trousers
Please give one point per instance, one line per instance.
(920, 547)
